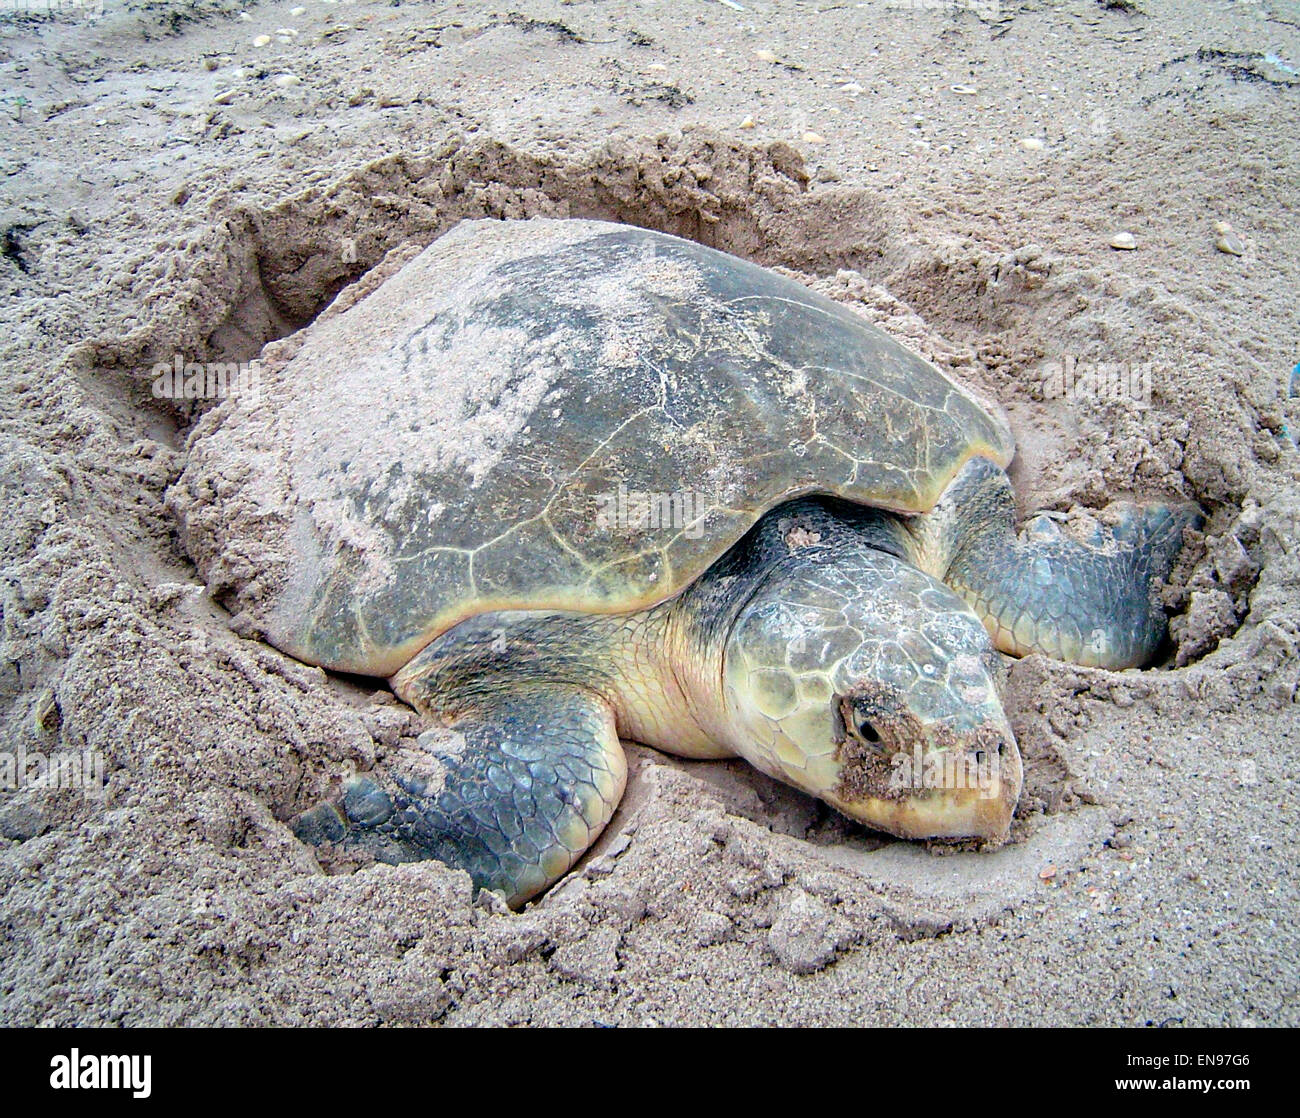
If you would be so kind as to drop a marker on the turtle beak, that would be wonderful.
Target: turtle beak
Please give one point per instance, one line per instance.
(942, 786)
(975, 799)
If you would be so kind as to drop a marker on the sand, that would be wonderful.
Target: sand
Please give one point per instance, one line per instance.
(957, 173)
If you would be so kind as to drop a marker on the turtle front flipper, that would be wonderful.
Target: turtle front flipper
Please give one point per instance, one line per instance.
(526, 784)
(1089, 601)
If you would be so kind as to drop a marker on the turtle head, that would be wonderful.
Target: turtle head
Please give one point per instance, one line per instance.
(871, 685)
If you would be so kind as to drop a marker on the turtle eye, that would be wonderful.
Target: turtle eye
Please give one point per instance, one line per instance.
(854, 717)
(865, 730)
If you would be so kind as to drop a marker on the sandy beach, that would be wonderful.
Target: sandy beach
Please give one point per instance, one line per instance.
(1086, 211)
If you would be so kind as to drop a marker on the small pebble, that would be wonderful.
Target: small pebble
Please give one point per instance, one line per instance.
(1032, 143)
(1047, 873)
(296, 11)
(284, 80)
(1124, 241)
(1230, 243)
(813, 138)
(1223, 227)
(765, 56)
(262, 40)
(966, 91)
(20, 822)
(658, 67)
(851, 88)
(747, 123)
(210, 64)
(224, 98)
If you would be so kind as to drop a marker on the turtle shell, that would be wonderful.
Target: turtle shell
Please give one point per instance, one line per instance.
(547, 414)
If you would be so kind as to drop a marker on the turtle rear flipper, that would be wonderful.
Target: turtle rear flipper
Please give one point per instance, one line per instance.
(537, 778)
(1090, 601)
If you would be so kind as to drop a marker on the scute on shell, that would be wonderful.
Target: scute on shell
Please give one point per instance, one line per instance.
(548, 414)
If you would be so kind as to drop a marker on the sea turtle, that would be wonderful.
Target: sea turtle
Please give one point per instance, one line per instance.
(565, 482)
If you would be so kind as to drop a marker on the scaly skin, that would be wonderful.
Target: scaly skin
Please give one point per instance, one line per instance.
(528, 784)
(823, 648)
(1090, 601)
(852, 673)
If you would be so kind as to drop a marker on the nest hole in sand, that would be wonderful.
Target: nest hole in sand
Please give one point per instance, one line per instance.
(988, 319)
